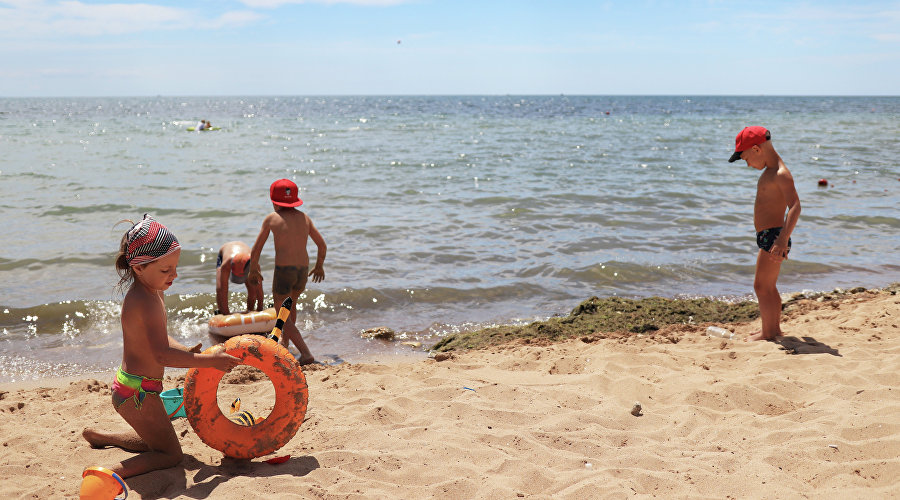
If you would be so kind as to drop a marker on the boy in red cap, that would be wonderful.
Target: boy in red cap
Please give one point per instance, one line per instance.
(775, 194)
(231, 265)
(291, 230)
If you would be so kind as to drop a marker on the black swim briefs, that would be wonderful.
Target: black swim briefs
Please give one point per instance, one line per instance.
(766, 238)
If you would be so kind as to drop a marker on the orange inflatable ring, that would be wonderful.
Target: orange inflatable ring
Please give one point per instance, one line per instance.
(238, 441)
(241, 323)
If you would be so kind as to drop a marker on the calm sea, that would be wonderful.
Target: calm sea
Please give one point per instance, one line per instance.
(440, 213)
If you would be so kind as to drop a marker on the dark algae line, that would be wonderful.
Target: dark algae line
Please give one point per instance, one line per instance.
(610, 315)
(619, 317)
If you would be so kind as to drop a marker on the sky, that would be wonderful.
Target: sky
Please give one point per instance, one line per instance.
(448, 47)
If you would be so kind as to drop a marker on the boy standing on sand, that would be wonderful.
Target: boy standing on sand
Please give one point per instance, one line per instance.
(775, 193)
(291, 228)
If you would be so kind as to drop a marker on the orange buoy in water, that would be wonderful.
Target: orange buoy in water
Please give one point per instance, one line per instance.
(823, 182)
(100, 483)
(291, 397)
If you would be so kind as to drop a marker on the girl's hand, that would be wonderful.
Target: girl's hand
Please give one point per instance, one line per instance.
(224, 361)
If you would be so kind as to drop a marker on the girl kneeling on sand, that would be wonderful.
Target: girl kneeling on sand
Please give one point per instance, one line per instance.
(146, 262)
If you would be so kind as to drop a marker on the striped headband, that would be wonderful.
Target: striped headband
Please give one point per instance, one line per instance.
(149, 240)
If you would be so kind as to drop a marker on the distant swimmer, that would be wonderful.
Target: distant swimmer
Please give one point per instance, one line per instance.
(231, 265)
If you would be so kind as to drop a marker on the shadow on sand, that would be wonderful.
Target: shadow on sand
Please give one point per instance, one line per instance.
(808, 345)
(173, 482)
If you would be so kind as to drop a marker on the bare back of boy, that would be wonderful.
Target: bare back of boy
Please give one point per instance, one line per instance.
(290, 231)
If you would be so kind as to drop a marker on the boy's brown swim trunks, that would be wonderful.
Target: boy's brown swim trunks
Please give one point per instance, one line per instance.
(289, 279)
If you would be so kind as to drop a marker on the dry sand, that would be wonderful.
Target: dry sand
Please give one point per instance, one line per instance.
(816, 415)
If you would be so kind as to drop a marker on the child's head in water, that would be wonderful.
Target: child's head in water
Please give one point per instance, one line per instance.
(148, 252)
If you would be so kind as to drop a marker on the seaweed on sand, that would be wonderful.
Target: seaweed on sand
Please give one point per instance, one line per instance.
(608, 315)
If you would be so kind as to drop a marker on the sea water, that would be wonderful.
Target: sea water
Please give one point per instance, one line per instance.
(441, 214)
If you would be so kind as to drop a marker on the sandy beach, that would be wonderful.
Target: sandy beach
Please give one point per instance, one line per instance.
(814, 415)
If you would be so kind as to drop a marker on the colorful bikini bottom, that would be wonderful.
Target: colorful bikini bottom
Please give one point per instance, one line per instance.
(128, 386)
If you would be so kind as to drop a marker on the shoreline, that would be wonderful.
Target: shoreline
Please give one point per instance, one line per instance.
(535, 418)
(652, 319)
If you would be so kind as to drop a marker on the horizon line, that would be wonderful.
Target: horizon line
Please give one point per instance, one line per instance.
(440, 95)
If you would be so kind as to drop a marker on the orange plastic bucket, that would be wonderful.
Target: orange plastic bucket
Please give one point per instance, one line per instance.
(100, 483)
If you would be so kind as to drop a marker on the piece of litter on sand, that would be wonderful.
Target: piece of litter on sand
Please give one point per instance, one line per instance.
(469, 389)
(833, 446)
(636, 409)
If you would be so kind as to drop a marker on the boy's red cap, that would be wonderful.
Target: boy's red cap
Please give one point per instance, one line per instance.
(283, 193)
(746, 139)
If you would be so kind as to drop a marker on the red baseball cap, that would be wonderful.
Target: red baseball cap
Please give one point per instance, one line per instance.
(746, 139)
(284, 193)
